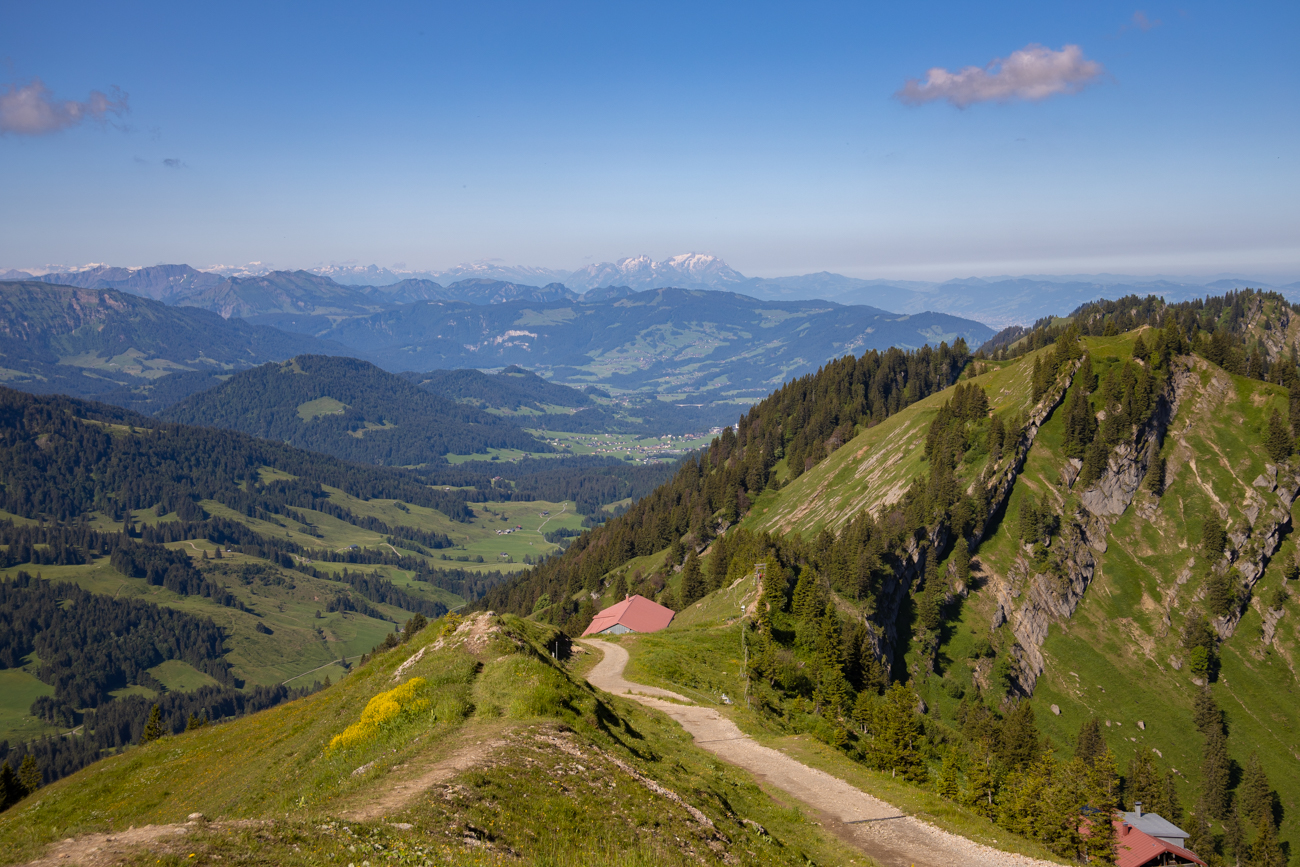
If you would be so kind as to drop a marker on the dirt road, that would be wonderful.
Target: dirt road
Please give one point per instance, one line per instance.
(879, 829)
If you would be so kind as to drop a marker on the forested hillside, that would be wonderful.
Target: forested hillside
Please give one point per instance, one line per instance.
(59, 339)
(1087, 539)
(350, 409)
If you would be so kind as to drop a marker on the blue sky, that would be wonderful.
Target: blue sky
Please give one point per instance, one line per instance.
(774, 136)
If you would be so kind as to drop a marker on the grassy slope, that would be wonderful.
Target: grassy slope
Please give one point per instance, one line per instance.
(550, 792)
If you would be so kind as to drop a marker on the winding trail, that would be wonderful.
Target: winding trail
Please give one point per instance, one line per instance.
(879, 829)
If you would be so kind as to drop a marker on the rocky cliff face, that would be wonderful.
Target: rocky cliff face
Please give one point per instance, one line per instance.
(996, 483)
(1030, 601)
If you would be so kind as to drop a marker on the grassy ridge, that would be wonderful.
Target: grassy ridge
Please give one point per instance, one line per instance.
(548, 785)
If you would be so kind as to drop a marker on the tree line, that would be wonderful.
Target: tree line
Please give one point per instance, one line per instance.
(90, 644)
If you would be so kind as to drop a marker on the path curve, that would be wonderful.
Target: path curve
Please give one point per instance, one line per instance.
(877, 828)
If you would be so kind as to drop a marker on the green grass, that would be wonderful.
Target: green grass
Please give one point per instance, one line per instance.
(550, 792)
(18, 689)
(179, 676)
(314, 409)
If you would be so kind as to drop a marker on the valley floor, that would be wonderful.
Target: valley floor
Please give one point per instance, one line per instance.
(877, 828)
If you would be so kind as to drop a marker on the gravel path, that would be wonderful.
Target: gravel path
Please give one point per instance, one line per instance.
(879, 829)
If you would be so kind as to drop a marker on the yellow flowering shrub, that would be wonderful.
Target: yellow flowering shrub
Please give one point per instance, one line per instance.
(400, 702)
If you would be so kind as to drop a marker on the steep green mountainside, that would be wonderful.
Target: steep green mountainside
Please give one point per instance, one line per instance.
(693, 346)
(465, 744)
(1092, 525)
(350, 409)
(86, 342)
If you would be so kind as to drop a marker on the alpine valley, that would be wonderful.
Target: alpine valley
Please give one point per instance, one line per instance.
(295, 571)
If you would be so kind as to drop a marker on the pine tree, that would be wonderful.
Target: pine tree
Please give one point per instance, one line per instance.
(153, 727)
(946, 786)
(1206, 715)
(1171, 807)
(1021, 744)
(1277, 438)
(1254, 794)
(29, 775)
(1139, 348)
(1214, 538)
(11, 791)
(898, 739)
(961, 557)
(981, 787)
(1155, 480)
(1142, 783)
(1216, 774)
(1090, 744)
(692, 580)
(1201, 838)
(719, 561)
(1265, 851)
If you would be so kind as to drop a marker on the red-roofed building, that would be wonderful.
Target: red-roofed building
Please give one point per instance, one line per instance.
(634, 614)
(1135, 848)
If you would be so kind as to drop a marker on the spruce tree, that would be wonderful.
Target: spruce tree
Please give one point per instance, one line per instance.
(946, 786)
(1201, 839)
(1214, 538)
(29, 775)
(1170, 805)
(1254, 794)
(1020, 741)
(981, 787)
(719, 560)
(1216, 774)
(692, 580)
(1265, 851)
(11, 791)
(1277, 438)
(153, 727)
(1142, 784)
(1090, 744)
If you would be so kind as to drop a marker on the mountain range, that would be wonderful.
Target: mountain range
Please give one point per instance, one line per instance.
(995, 301)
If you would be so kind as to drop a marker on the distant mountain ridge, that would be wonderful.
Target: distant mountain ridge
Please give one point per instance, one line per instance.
(254, 290)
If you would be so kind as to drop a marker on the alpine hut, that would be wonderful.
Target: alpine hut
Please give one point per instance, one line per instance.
(633, 614)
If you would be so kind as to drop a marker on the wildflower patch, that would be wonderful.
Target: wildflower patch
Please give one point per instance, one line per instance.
(383, 712)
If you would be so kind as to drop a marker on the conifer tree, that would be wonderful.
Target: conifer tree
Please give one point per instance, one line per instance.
(11, 791)
(692, 587)
(1142, 784)
(981, 787)
(153, 727)
(946, 786)
(961, 557)
(29, 775)
(719, 561)
(1216, 774)
(1201, 839)
(1020, 743)
(1265, 851)
(1214, 538)
(1277, 438)
(1090, 744)
(1170, 805)
(898, 738)
(1254, 793)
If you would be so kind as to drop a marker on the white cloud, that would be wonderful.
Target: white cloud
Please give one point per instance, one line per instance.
(1034, 72)
(31, 109)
